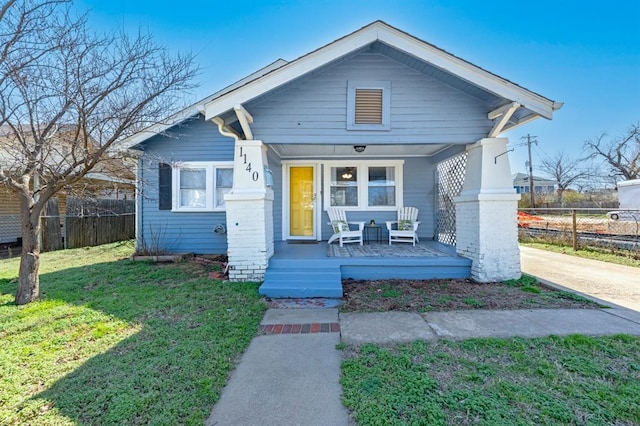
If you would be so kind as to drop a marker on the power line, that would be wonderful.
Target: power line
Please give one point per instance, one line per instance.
(541, 152)
(530, 140)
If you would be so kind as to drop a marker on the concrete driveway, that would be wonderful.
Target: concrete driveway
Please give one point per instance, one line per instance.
(607, 281)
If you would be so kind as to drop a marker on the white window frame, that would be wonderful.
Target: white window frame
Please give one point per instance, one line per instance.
(362, 167)
(386, 104)
(210, 184)
(216, 166)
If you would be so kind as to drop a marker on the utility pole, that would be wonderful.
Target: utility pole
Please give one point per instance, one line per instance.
(530, 140)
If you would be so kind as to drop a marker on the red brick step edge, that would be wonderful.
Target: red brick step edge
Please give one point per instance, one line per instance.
(315, 327)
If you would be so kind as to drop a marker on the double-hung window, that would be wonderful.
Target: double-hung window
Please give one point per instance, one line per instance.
(371, 185)
(201, 185)
(192, 184)
(382, 186)
(344, 186)
(223, 184)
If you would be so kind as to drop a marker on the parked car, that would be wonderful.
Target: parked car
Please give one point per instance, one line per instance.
(629, 200)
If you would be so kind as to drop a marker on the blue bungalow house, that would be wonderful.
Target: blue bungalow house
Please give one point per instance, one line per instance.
(372, 122)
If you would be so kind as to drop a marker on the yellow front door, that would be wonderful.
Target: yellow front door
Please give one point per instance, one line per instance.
(301, 201)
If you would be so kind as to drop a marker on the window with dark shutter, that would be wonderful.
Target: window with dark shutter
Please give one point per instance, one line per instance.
(368, 106)
(164, 186)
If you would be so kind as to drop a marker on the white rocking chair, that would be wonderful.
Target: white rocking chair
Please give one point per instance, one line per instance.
(406, 227)
(341, 229)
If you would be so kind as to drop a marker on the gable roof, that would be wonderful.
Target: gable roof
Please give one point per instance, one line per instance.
(381, 32)
(459, 73)
(522, 179)
(196, 108)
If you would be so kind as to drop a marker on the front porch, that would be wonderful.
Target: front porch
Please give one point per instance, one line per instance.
(317, 269)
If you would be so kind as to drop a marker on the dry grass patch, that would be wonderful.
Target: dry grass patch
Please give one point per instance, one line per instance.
(455, 294)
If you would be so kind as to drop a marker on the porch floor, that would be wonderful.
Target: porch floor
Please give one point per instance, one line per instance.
(317, 270)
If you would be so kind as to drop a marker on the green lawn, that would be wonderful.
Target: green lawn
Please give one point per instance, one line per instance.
(555, 380)
(618, 256)
(114, 341)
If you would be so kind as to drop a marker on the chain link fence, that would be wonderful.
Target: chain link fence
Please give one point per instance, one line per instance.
(581, 228)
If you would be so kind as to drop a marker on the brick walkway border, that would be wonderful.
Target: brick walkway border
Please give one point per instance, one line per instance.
(315, 327)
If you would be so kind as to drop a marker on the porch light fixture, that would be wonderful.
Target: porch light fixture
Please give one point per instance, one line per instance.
(359, 148)
(347, 174)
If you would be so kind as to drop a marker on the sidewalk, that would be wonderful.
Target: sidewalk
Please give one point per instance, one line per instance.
(394, 327)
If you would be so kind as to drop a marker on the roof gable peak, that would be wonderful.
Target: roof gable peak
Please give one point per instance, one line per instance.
(398, 39)
(281, 72)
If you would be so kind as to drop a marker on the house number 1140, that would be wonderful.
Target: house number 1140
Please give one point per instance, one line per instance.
(255, 175)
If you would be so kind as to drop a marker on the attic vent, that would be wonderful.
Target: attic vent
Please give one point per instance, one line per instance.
(368, 106)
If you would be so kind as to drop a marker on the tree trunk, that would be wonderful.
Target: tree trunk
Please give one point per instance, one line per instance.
(28, 280)
(561, 197)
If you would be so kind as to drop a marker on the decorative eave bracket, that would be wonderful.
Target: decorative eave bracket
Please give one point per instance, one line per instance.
(502, 116)
(245, 119)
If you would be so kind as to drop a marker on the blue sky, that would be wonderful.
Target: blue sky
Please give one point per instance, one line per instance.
(585, 54)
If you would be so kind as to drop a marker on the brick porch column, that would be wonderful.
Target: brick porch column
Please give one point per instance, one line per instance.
(486, 213)
(249, 208)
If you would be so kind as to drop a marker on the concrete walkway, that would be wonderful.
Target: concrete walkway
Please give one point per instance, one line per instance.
(613, 283)
(290, 373)
(289, 376)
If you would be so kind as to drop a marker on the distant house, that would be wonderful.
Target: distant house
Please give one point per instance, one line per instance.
(362, 123)
(521, 184)
(110, 179)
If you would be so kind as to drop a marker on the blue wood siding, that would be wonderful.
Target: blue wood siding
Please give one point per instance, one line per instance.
(312, 110)
(195, 140)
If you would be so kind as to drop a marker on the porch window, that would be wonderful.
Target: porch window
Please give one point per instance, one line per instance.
(200, 186)
(382, 186)
(364, 185)
(368, 105)
(344, 186)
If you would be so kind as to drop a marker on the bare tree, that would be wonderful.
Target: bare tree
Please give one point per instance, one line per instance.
(565, 171)
(67, 96)
(622, 154)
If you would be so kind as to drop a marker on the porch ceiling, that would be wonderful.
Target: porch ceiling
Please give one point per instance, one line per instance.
(386, 151)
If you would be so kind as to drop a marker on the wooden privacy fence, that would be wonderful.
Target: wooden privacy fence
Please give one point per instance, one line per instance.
(83, 231)
(96, 230)
(87, 223)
